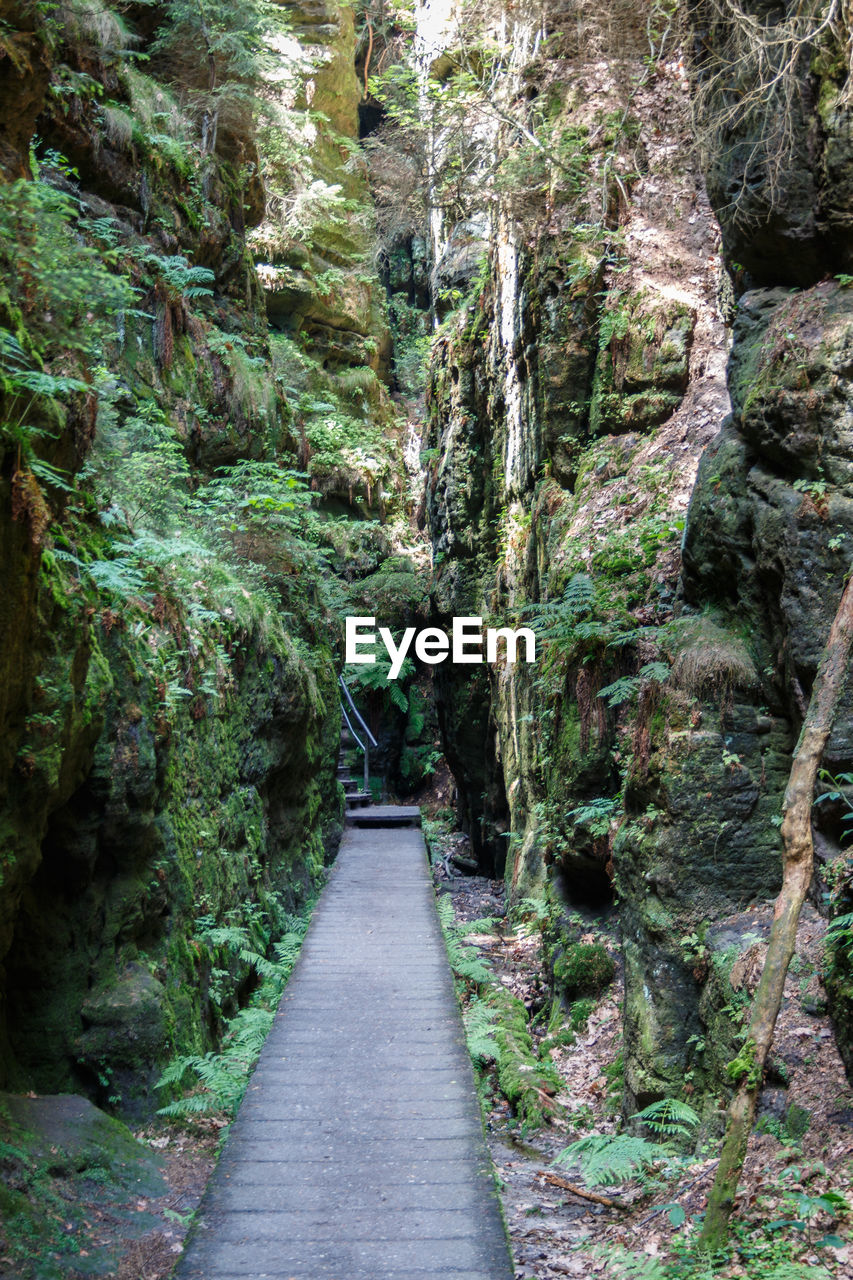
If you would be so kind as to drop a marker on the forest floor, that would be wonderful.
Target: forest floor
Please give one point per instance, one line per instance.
(804, 1152)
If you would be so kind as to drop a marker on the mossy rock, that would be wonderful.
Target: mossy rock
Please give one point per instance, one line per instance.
(787, 382)
(708, 658)
(525, 1081)
(126, 1021)
(584, 969)
(73, 1136)
(66, 1165)
(642, 370)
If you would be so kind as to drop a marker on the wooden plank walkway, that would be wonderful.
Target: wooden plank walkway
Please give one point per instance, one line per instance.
(358, 1152)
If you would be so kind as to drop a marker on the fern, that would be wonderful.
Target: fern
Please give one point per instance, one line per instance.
(606, 1159)
(486, 925)
(287, 950)
(624, 1264)
(669, 1119)
(790, 1270)
(446, 915)
(621, 690)
(164, 551)
(479, 1019)
(375, 677)
(177, 276)
(464, 962)
(557, 620)
(53, 476)
(596, 814)
(839, 932)
(237, 941)
(220, 1078)
(121, 577)
(580, 622)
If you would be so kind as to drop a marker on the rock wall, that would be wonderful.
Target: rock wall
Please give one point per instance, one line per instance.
(768, 538)
(168, 745)
(571, 398)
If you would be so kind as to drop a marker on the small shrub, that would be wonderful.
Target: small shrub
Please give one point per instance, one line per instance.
(580, 1012)
(584, 969)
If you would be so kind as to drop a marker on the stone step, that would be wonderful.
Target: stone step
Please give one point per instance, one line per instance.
(385, 815)
(357, 799)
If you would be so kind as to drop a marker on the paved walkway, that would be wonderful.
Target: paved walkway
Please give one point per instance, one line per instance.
(358, 1152)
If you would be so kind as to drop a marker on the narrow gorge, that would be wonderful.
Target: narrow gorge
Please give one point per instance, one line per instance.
(539, 316)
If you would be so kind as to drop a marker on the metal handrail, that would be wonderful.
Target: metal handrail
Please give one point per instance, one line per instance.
(342, 682)
(368, 734)
(358, 741)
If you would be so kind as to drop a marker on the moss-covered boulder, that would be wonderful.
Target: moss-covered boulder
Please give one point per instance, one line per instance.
(583, 969)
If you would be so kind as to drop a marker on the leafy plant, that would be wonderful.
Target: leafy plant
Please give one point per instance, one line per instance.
(479, 1019)
(670, 1119)
(584, 968)
(217, 53)
(64, 291)
(595, 814)
(220, 1077)
(464, 961)
(375, 678)
(605, 1159)
(580, 623)
(180, 281)
(626, 687)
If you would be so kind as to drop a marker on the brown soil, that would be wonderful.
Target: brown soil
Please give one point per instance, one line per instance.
(190, 1158)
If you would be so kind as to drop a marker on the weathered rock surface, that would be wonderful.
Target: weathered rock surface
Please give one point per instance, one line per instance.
(160, 759)
(779, 165)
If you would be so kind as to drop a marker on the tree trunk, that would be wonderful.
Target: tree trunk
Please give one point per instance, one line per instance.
(798, 860)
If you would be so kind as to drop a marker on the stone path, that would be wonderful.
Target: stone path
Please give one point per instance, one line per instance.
(358, 1152)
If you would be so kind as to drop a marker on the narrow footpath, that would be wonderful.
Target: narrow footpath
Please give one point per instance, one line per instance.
(358, 1152)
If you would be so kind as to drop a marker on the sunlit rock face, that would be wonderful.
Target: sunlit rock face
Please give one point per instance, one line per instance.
(571, 398)
(317, 244)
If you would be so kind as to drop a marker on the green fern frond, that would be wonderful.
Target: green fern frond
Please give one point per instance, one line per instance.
(624, 1264)
(839, 932)
(670, 1118)
(194, 1104)
(221, 1078)
(287, 949)
(446, 914)
(464, 962)
(398, 697)
(121, 577)
(479, 1019)
(607, 1159)
(486, 925)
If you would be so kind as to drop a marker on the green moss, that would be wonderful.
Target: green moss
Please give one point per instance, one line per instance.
(523, 1079)
(584, 968)
(63, 1164)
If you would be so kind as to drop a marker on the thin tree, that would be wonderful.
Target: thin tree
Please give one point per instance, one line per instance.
(798, 862)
